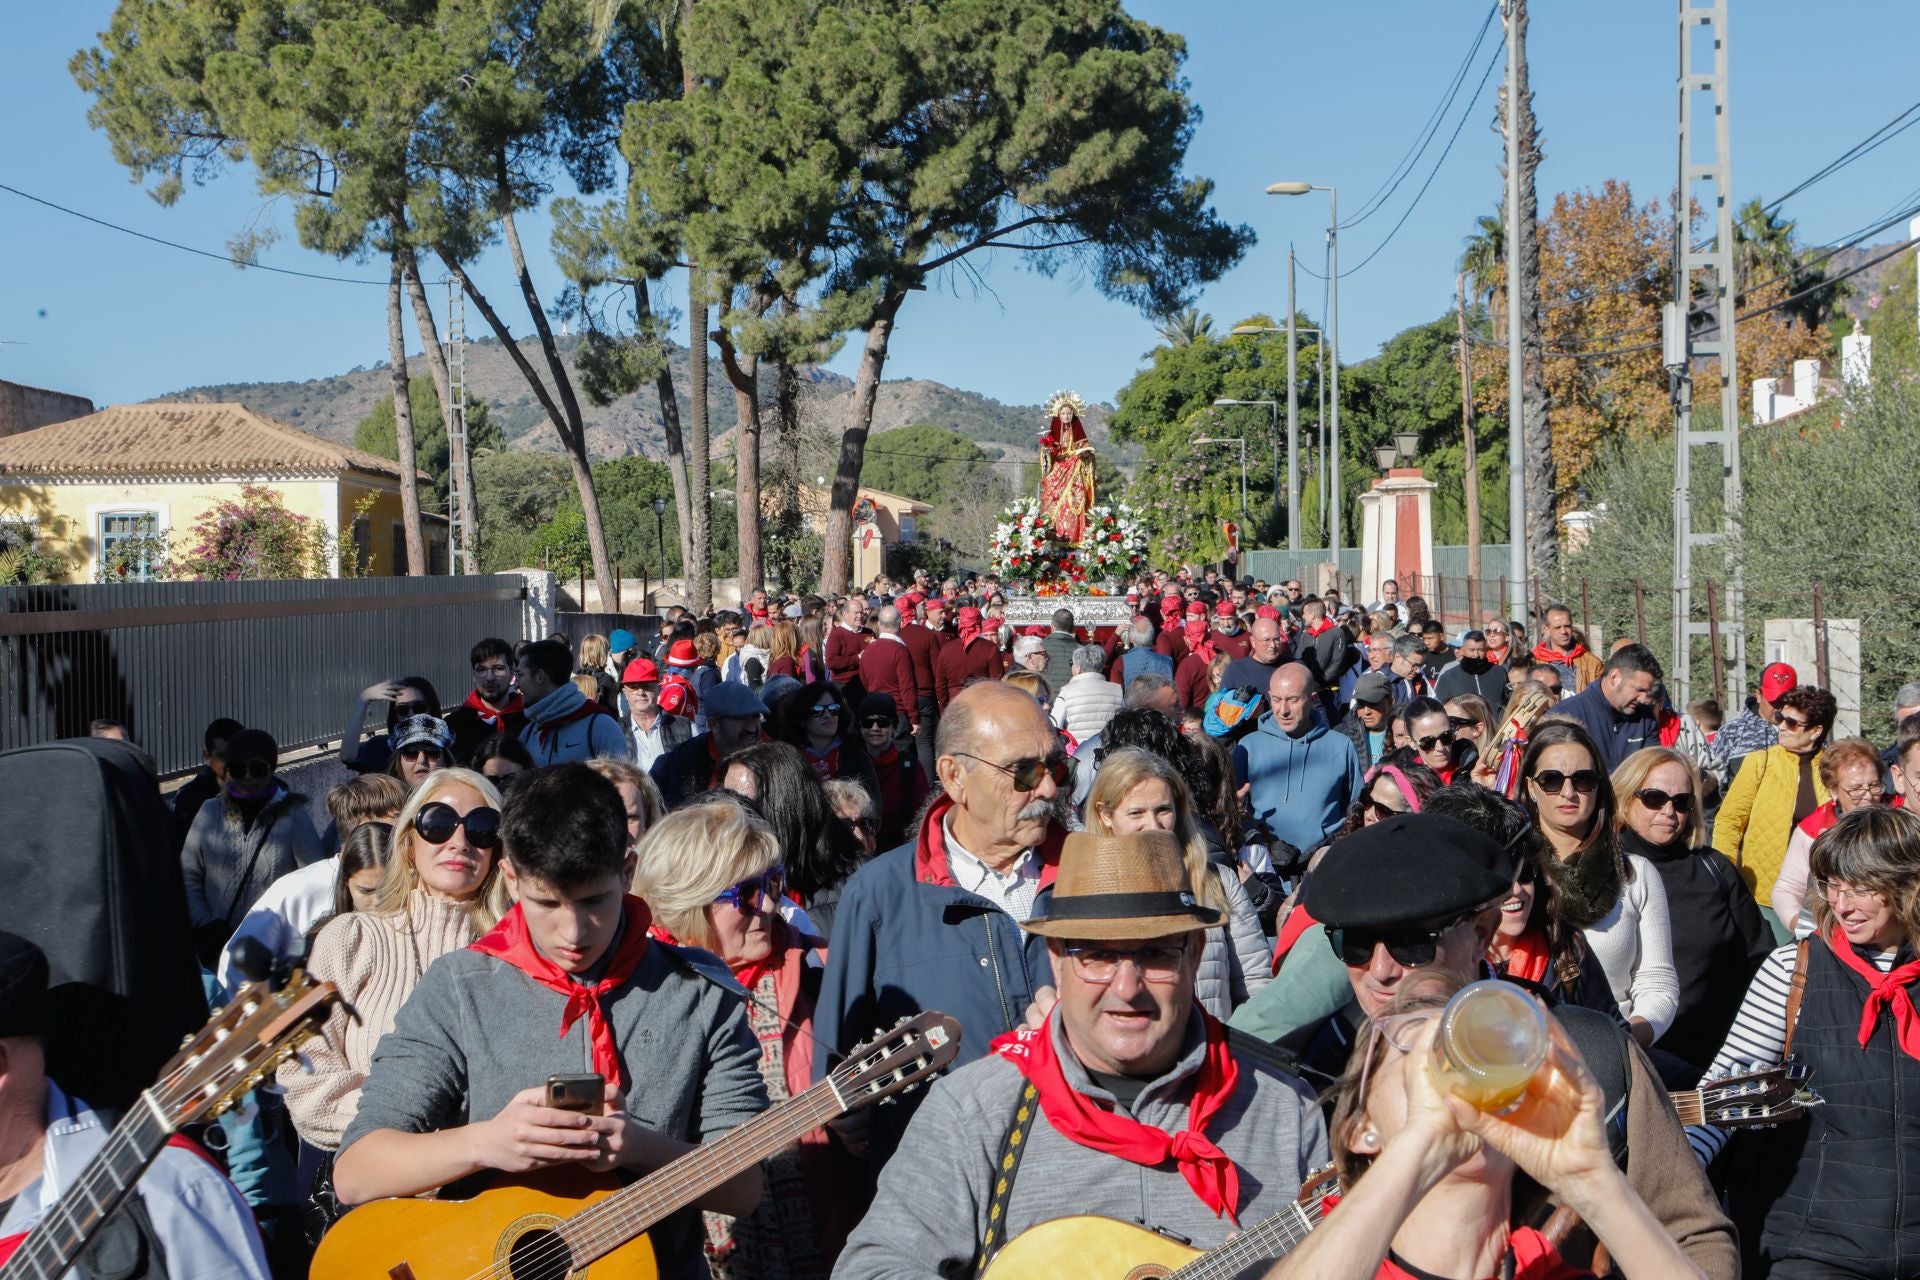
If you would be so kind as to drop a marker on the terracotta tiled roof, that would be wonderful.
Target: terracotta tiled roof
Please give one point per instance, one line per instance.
(181, 439)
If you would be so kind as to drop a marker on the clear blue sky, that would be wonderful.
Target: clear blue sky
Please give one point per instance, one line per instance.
(1325, 92)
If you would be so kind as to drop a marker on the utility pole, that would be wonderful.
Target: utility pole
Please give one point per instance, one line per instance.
(1713, 268)
(1470, 458)
(1514, 12)
(1293, 419)
(461, 551)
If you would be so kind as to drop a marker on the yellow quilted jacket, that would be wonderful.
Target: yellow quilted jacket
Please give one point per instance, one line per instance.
(1756, 819)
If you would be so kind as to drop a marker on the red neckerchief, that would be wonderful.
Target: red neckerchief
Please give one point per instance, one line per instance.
(1320, 628)
(510, 941)
(545, 729)
(1298, 922)
(885, 759)
(1533, 1255)
(1080, 1119)
(932, 866)
(1528, 958)
(1199, 641)
(1883, 990)
(496, 720)
(1497, 657)
(1544, 652)
(825, 763)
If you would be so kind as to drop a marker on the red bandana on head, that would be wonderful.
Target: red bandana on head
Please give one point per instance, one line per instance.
(1884, 990)
(1207, 1169)
(510, 941)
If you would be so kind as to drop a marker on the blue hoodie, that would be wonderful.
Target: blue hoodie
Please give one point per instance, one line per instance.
(1301, 787)
(561, 728)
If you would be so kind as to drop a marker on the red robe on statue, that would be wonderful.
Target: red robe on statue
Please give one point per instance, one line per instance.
(1066, 480)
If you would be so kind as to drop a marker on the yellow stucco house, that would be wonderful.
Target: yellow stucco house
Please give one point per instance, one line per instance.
(880, 520)
(81, 485)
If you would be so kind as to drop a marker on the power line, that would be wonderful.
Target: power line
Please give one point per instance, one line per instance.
(1425, 138)
(229, 259)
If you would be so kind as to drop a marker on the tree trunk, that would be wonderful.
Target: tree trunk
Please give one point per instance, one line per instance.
(1543, 546)
(698, 517)
(1470, 457)
(786, 413)
(403, 427)
(466, 513)
(743, 372)
(837, 552)
(670, 426)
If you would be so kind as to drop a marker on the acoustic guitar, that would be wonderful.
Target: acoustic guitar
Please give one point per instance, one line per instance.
(566, 1224)
(1108, 1249)
(263, 1026)
(1757, 1099)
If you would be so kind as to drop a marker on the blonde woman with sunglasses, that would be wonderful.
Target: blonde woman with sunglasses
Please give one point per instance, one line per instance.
(441, 890)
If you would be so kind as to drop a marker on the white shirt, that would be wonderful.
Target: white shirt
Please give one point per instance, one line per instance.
(647, 746)
(290, 906)
(1012, 890)
(1634, 945)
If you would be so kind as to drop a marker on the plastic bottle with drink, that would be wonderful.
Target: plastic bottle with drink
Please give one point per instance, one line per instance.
(1491, 1041)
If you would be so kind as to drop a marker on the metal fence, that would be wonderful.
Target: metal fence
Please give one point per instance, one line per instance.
(576, 625)
(166, 658)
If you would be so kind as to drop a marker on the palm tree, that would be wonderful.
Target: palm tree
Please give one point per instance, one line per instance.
(1764, 251)
(1485, 258)
(1185, 327)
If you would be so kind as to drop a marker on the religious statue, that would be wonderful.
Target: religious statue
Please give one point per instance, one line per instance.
(1066, 468)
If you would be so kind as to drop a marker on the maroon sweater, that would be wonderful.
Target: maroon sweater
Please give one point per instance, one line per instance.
(960, 663)
(925, 644)
(886, 667)
(843, 658)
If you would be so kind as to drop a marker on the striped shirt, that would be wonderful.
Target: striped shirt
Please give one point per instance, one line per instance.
(1758, 1036)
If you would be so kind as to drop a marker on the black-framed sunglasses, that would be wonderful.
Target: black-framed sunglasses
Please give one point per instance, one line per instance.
(250, 770)
(414, 750)
(436, 823)
(1435, 740)
(1410, 948)
(1656, 799)
(1552, 782)
(1461, 722)
(1027, 772)
(877, 722)
(1526, 871)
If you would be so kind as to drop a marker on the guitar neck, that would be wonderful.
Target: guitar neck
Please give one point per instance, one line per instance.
(595, 1232)
(1691, 1107)
(51, 1247)
(1271, 1238)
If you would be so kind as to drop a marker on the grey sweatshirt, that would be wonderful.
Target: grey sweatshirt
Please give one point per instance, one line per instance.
(476, 1031)
(930, 1213)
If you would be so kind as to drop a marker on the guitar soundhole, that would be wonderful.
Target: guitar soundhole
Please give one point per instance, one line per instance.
(1148, 1271)
(539, 1255)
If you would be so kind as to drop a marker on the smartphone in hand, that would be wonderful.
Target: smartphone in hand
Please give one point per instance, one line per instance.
(585, 1092)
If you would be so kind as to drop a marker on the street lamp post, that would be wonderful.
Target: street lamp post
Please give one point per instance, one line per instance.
(1241, 441)
(1293, 406)
(1333, 324)
(659, 532)
(1293, 481)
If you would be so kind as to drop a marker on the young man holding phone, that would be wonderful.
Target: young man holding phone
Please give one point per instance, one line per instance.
(466, 1080)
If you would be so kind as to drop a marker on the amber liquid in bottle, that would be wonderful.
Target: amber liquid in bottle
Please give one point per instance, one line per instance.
(1492, 1040)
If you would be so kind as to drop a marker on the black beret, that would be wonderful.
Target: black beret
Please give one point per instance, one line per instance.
(23, 986)
(1415, 868)
(252, 744)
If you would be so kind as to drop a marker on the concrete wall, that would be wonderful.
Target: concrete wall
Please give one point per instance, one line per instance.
(22, 408)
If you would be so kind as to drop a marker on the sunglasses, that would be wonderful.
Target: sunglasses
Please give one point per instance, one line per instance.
(250, 770)
(825, 708)
(1789, 722)
(1552, 782)
(1410, 948)
(402, 710)
(1462, 722)
(418, 749)
(1435, 740)
(1656, 799)
(1382, 809)
(1026, 773)
(436, 823)
(1496, 631)
(1526, 872)
(876, 722)
(750, 893)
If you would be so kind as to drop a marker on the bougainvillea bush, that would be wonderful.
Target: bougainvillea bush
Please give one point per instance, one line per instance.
(254, 537)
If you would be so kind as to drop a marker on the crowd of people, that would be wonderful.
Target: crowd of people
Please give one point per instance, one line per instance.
(1196, 888)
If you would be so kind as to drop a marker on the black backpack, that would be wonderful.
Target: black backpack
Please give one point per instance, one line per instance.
(92, 879)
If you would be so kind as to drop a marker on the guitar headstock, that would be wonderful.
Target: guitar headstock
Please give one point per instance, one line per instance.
(913, 1050)
(261, 1027)
(1758, 1098)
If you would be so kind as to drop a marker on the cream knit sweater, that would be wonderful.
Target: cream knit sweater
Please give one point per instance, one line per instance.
(375, 961)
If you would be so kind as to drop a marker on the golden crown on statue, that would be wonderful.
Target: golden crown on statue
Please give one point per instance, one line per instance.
(1068, 400)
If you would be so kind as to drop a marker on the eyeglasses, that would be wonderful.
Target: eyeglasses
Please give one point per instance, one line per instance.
(876, 722)
(1835, 893)
(1435, 740)
(493, 669)
(1552, 782)
(869, 825)
(413, 751)
(768, 886)
(1788, 722)
(436, 823)
(1099, 965)
(1027, 772)
(250, 770)
(1410, 948)
(1863, 791)
(825, 708)
(1656, 799)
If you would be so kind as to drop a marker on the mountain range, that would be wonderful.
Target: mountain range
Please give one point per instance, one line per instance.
(333, 406)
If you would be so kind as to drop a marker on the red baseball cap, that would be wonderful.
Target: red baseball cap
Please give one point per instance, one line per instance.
(641, 671)
(682, 654)
(1776, 679)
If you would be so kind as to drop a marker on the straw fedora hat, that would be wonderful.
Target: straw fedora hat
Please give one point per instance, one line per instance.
(1132, 886)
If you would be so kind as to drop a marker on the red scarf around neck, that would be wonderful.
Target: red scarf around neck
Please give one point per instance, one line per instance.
(496, 720)
(1545, 652)
(1207, 1169)
(1884, 990)
(1528, 958)
(510, 941)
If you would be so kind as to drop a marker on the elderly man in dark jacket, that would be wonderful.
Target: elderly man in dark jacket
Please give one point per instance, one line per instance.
(935, 924)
